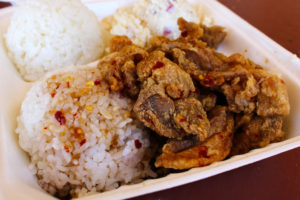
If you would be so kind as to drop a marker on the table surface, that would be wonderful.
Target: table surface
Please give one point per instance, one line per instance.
(274, 178)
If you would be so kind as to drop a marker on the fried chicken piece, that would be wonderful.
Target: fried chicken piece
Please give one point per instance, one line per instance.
(208, 101)
(273, 98)
(118, 68)
(163, 103)
(247, 87)
(212, 36)
(215, 148)
(191, 117)
(155, 109)
(177, 83)
(256, 132)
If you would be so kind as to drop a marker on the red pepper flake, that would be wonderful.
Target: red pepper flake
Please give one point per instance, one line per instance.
(181, 93)
(167, 32)
(97, 82)
(282, 81)
(58, 85)
(230, 134)
(68, 84)
(67, 149)
(114, 62)
(208, 81)
(197, 91)
(158, 65)
(199, 117)
(182, 120)
(137, 144)
(201, 164)
(93, 72)
(118, 79)
(128, 86)
(221, 136)
(60, 117)
(82, 142)
(53, 94)
(75, 115)
(184, 33)
(170, 8)
(202, 152)
(45, 128)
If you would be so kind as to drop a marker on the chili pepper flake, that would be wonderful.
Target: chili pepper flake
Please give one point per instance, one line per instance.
(208, 81)
(97, 82)
(45, 128)
(57, 85)
(82, 142)
(201, 164)
(114, 62)
(67, 149)
(184, 33)
(202, 152)
(53, 94)
(199, 117)
(138, 144)
(90, 84)
(182, 120)
(68, 84)
(60, 117)
(158, 65)
(181, 93)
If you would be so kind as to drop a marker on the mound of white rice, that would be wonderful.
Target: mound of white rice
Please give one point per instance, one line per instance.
(147, 18)
(44, 35)
(80, 137)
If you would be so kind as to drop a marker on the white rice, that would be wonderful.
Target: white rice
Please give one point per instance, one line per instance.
(98, 146)
(46, 34)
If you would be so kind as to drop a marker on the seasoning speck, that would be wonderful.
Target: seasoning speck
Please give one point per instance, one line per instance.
(82, 142)
(137, 144)
(158, 65)
(97, 82)
(90, 84)
(90, 107)
(60, 117)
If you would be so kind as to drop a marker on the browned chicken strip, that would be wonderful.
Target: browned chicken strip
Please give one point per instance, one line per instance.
(215, 148)
(163, 103)
(257, 133)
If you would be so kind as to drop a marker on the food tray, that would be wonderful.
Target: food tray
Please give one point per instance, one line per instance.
(16, 181)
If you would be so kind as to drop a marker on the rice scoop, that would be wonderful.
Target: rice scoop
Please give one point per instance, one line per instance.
(44, 35)
(81, 137)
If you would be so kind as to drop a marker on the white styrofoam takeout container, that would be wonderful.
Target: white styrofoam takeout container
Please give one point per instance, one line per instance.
(16, 181)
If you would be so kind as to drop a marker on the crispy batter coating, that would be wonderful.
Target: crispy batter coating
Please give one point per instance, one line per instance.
(215, 148)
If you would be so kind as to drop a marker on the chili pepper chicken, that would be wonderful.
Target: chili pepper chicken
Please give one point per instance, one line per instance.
(207, 105)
